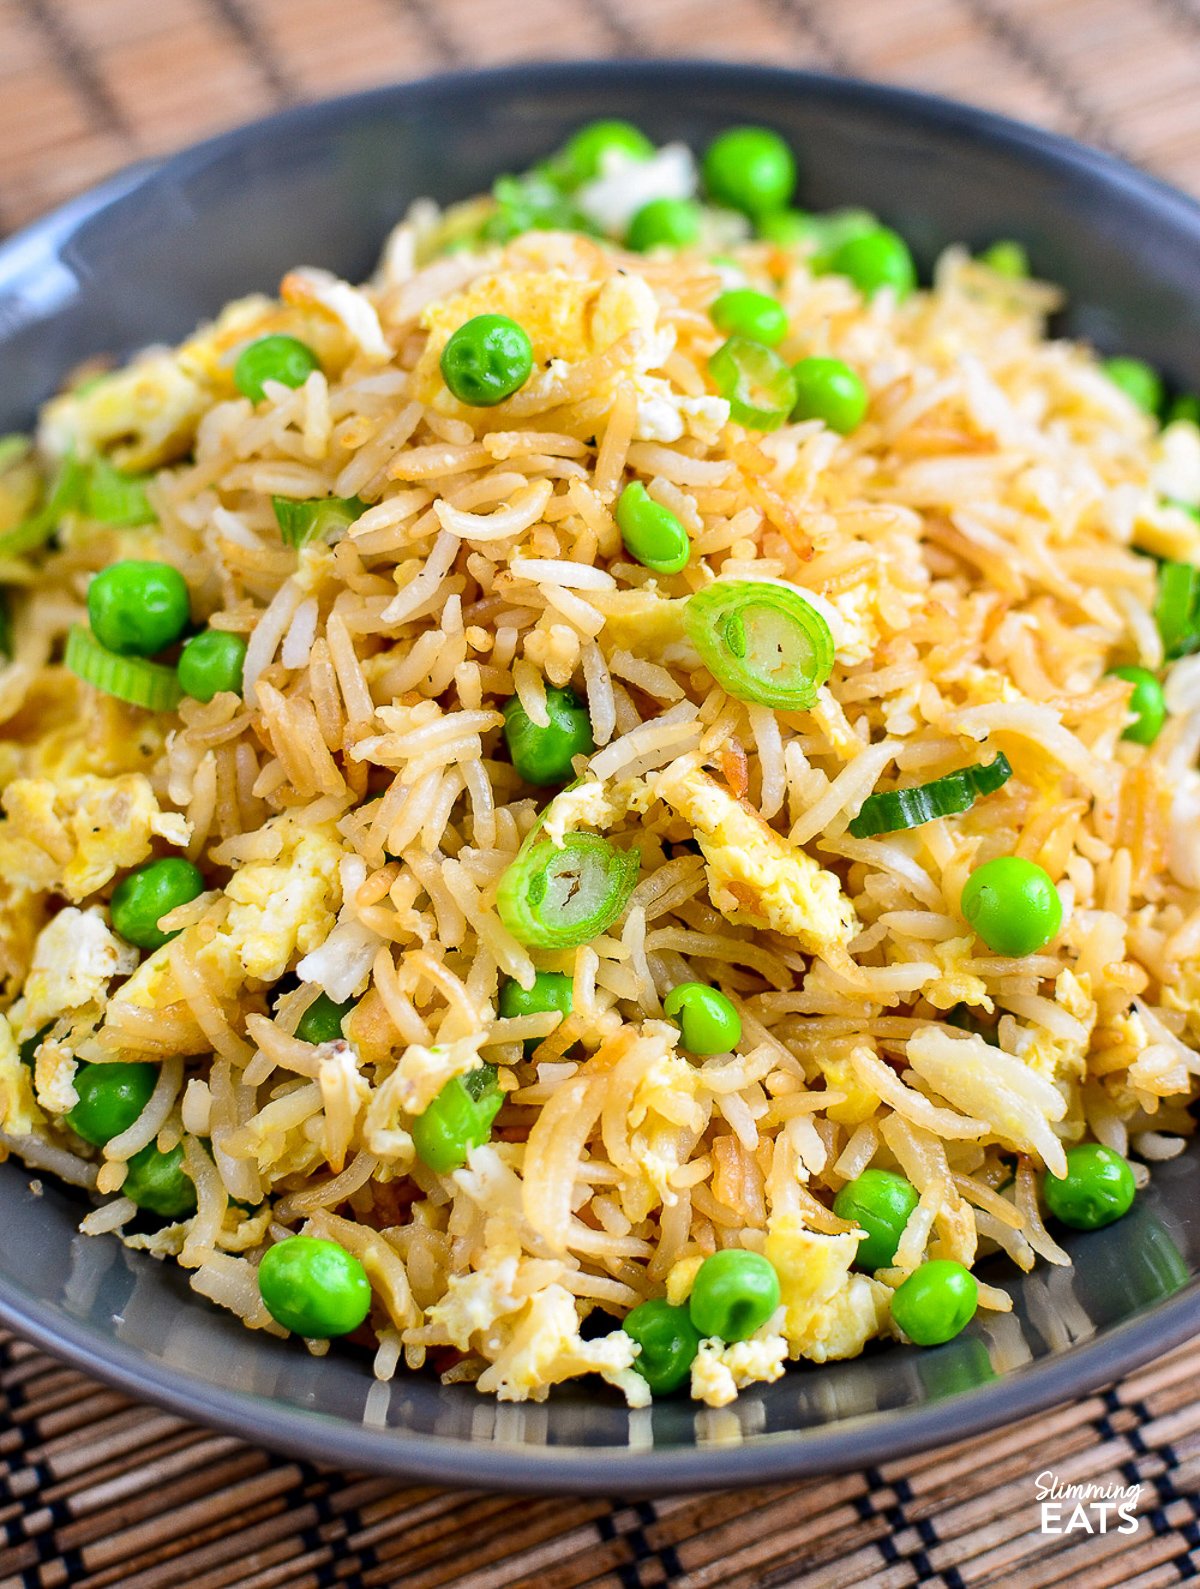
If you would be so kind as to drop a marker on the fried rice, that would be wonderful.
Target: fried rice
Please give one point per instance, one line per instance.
(983, 549)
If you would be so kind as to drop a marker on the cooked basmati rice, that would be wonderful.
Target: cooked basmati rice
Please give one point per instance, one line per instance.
(973, 548)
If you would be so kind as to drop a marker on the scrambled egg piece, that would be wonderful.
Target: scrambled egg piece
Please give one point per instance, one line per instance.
(54, 1077)
(955, 986)
(19, 1113)
(830, 1312)
(859, 1103)
(665, 415)
(476, 1302)
(1158, 1064)
(22, 916)
(74, 835)
(650, 626)
(75, 958)
(285, 907)
(719, 1371)
(593, 804)
(545, 1347)
(1065, 1059)
(271, 912)
(62, 734)
(858, 608)
(755, 877)
(566, 318)
(146, 414)
(663, 1102)
(681, 1277)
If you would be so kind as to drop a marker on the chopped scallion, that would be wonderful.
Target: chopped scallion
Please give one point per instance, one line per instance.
(132, 679)
(762, 642)
(1177, 610)
(894, 809)
(303, 523)
(554, 897)
(760, 386)
(36, 530)
(111, 497)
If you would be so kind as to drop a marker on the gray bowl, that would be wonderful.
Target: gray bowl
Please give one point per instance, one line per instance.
(150, 253)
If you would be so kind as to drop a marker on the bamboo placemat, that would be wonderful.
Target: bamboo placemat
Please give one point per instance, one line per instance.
(96, 1491)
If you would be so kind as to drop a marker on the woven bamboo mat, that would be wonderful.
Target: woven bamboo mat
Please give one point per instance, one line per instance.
(96, 1491)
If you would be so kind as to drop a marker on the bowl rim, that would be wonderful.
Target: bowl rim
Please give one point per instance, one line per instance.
(860, 1441)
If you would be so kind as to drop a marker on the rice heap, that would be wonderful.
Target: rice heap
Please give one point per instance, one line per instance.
(981, 549)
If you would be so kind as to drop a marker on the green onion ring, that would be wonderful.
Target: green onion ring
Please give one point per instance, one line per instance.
(761, 641)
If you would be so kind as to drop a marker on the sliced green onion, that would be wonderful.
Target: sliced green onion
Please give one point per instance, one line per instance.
(894, 809)
(1177, 610)
(40, 526)
(760, 386)
(302, 523)
(131, 679)
(762, 642)
(559, 898)
(533, 202)
(112, 497)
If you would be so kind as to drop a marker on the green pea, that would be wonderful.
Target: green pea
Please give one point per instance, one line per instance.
(734, 1294)
(158, 1182)
(141, 899)
(551, 990)
(275, 358)
(750, 169)
(486, 360)
(880, 1202)
(1184, 407)
(543, 756)
(652, 534)
(1006, 258)
(1140, 383)
(594, 148)
(459, 1119)
(669, 1342)
(138, 608)
(936, 1302)
(322, 1020)
(111, 1098)
(1012, 904)
(708, 1021)
(743, 312)
(1146, 703)
(1097, 1189)
(313, 1287)
(832, 229)
(788, 228)
(211, 663)
(874, 260)
(828, 390)
(664, 223)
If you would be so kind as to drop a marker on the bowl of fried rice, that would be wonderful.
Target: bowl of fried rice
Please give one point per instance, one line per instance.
(600, 838)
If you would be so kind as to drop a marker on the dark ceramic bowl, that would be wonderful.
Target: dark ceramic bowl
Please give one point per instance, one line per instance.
(149, 254)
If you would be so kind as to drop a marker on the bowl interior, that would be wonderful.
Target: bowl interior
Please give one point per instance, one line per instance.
(154, 252)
